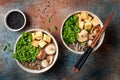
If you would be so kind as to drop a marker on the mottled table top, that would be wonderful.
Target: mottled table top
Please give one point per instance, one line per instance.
(104, 64)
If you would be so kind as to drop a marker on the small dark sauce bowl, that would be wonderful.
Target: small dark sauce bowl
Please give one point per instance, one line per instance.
(15, 20)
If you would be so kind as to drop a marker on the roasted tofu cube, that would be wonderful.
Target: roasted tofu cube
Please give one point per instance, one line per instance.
(81, 24)
(38, 35)
(89, 19)
(84, 15)
(47, 38)
(95, 22)
(42, 43)
(88, 26)
(79, 16)
(33, 36)
(35, 43)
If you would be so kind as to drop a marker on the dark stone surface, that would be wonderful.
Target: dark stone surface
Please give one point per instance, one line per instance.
(104, 64)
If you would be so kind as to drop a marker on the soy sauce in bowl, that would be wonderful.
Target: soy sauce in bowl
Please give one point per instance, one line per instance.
(15, 20)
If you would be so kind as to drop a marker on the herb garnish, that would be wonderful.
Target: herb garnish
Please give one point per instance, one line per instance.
(55, 27)
(10, 50)
(48, 29)
(49, 20)
(8, 44)
(5, 47)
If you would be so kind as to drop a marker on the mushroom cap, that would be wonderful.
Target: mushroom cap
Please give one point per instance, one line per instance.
(90, 42)
(50, 59)
(44, 63)
(41, 55)
(95, 30)
(50, 49)
(82, 36)
(91, 37)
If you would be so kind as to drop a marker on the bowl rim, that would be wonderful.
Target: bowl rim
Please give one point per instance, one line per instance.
(82, 52)
(47, 68)
(7, 14)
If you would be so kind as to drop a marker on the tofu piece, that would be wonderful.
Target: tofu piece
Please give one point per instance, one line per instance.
(89, 19)
(42, 43)
(88, 26)
(79, 16)
(95, 22)
(33, 36)
(38, 35)
(81, 24)
(35, 43)
(47, 38)
(84, 15)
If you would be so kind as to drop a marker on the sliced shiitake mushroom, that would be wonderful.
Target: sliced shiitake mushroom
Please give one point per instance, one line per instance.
(91, 37)
(82, 36)
(95, 30)
(41, 55)
(44, 63)
(50, 49)
(89, 42)
(50, 59)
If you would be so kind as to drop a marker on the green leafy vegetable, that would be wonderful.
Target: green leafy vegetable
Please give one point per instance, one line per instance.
(5, 47)
(8, 44)
(10, 50)
(82, 43)
(49, 20)
(55, 27)
(48, 29)
(24, 50)
(71, 29)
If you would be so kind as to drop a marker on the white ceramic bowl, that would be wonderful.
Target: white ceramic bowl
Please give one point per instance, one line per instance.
(9, 12)
(81, 52)
(45, 69)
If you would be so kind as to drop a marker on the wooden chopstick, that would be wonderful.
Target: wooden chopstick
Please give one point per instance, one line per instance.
(102, 30)
(84, 57)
